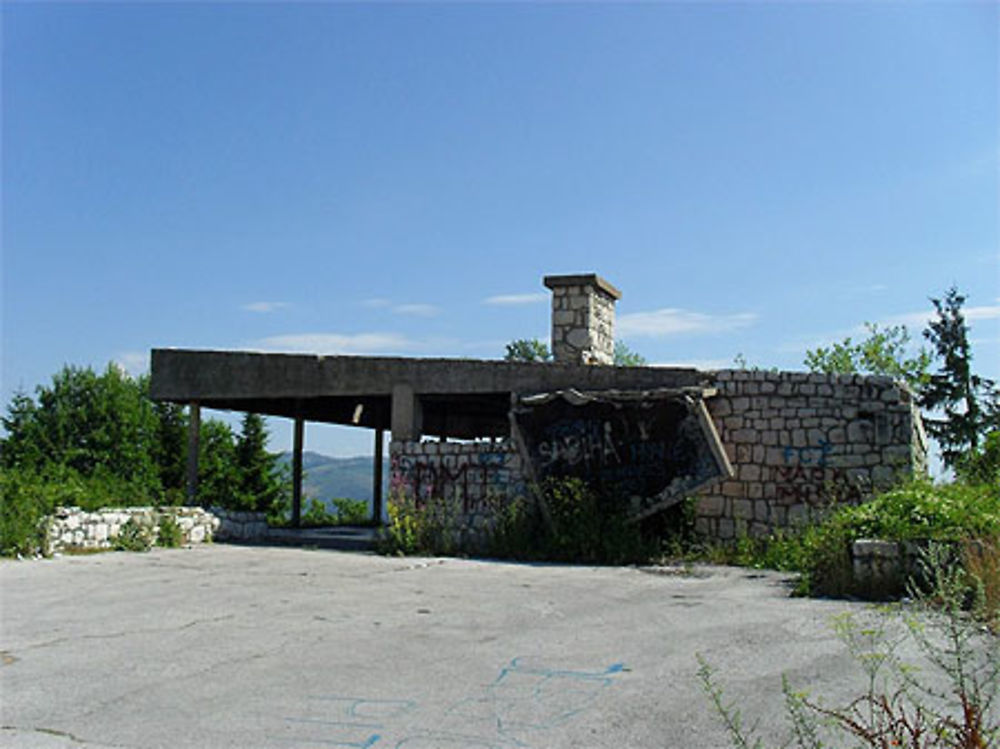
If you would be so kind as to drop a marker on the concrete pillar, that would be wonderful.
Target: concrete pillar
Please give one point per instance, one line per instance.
(297, 471)
(583, 319)
(377, 478)
(407, 416)
(194, 438)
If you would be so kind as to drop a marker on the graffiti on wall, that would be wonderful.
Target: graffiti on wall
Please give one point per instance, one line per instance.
(807, 477)
(471, 478)
(646, 448)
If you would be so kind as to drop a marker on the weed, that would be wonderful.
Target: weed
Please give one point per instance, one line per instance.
(133, 536)
(896, 705)
(169, 533)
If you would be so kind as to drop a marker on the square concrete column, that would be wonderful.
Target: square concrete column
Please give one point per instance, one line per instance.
(194, 434)
(407, 415)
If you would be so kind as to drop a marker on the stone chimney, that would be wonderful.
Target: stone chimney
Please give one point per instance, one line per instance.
(583, 319)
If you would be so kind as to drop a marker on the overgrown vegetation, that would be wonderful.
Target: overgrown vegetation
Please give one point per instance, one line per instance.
(899, 705)
(582, 526)
(97, 440)
(168, 533)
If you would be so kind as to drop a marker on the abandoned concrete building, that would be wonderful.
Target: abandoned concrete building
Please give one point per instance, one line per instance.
(758, 450)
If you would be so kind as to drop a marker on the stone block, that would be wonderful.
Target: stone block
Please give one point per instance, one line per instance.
(750, 472)
(732, 489)
(720, 407)
(751, 436)
(742, 508)
(710, 506)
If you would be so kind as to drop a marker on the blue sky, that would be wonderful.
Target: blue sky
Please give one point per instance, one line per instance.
(757, 178)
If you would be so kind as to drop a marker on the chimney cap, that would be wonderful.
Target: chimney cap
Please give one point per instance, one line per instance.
(583, 279)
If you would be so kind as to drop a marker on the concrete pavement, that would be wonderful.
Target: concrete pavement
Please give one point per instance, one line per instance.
(227, 646)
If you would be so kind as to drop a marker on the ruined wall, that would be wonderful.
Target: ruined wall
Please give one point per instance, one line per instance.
(73, 528)
(473, 478)
(799, 441)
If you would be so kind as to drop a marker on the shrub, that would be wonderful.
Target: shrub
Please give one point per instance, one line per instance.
(427, 528)
(915, 511)
(169, 533)
(25, 500)
(351, 511)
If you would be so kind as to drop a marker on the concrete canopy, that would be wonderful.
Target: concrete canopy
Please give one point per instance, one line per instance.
(459, 398)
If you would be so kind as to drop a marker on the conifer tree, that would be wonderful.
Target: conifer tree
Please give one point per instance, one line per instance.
(970, 404)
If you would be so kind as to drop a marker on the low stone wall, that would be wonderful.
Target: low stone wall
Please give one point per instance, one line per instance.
(472, 479)
(799, 442)
(72, 527)
(235, 525)
(882, 568)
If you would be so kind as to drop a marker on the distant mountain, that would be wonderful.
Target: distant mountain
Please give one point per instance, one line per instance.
(325, 477)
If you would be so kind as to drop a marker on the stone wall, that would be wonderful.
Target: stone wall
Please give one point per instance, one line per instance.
(798, 442)
(472, 478)
(238, 525)
(71, 527)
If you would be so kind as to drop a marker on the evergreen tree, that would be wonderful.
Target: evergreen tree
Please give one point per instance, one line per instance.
(970, 403)
(260, 480)
(218, 477)
(170, 445)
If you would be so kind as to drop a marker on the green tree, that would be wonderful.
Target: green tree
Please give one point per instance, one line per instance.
(94, 424)
(170, 445)
(883, 352)
(218, 477)
(626, 357)
(527, 350)
(970, 404)
(533, 350)
(261, 481)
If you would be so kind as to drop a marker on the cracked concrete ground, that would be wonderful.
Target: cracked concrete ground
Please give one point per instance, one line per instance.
(226, 646)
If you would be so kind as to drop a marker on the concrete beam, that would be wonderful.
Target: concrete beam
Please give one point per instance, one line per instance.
(183, 375)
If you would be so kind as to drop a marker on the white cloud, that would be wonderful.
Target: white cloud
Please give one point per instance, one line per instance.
(509, 300)
(919, 320)
(376, 303)
(416, 310)
(673, 321)
(703, 364)
(134, 363)
(263, 306)
(339, 343)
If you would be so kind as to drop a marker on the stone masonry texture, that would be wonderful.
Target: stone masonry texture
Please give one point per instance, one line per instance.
(800, 442)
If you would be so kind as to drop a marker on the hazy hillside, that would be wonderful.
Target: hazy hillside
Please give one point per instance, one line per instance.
(325, 477)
